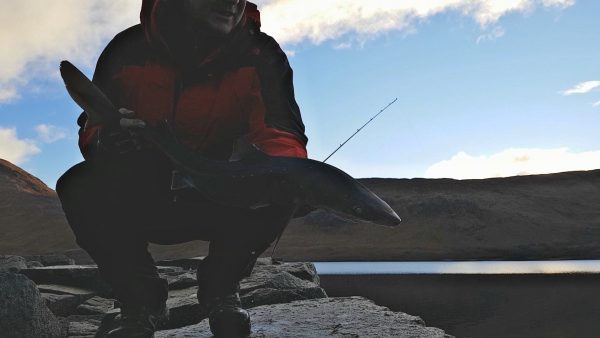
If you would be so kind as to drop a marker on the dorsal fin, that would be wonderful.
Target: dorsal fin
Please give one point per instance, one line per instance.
(243, 150)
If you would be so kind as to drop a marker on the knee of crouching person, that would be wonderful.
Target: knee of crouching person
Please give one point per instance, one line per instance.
(66, 189)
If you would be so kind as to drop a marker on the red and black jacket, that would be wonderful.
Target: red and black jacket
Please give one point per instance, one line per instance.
(243, 88)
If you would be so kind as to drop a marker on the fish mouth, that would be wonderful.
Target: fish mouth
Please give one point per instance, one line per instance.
(391, 220)
(387, 219)
(383, 214)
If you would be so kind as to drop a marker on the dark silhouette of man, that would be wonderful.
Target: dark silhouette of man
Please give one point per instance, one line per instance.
(206, 68)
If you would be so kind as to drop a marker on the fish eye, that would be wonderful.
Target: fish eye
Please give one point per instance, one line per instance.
(357, 210)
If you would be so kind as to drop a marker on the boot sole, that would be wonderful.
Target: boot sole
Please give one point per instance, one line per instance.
(232, 331)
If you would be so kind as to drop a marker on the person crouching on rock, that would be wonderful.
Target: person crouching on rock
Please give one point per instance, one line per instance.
(206, 68)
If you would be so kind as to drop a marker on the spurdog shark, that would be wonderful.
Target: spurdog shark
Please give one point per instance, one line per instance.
(251, 179)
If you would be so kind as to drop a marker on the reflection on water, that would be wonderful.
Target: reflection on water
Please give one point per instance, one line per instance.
(470, 267)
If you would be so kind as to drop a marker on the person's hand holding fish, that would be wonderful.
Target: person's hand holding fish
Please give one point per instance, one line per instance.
(122, 137)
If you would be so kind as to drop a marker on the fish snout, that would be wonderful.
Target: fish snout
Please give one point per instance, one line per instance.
(381, 214)
(391, 220)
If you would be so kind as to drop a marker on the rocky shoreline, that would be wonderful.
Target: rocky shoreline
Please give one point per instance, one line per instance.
(51, 296)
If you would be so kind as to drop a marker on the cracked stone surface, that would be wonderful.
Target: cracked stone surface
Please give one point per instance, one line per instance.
(328, 317)
(273, 279)
(82, 326)
(95, 305)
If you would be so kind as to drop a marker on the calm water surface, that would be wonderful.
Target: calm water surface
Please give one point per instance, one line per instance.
(466, 267)
(480, 299)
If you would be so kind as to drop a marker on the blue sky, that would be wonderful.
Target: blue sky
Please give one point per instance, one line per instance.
(482, 91)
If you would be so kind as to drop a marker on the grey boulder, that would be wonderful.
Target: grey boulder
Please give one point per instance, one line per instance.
(12, 263)
(23, 311)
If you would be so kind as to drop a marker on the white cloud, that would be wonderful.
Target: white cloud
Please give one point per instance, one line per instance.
(596, 104)
(514, 161)
(48, 133)
(13, 149)
(8, 93)
(495, 33)
(290, 52)
(558, 3)
(316, 21)
(582, 88)
(35, 35)
(342, 45)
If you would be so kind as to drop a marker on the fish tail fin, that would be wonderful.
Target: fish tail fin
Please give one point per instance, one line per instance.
(87, 95)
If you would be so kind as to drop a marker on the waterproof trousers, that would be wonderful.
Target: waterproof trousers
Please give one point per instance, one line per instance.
(116, 208)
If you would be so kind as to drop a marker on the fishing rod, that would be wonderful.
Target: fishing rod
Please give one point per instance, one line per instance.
(359, 129)
(338, 148)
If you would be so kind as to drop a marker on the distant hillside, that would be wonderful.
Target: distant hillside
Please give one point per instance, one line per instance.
(30, 214)
(522, 217)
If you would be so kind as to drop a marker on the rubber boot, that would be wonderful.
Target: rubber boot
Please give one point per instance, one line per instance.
(139, 322)
(219, 300)
(227, 318)
(143, 309)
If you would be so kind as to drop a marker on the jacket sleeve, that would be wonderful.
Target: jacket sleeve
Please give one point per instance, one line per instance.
(275, 124)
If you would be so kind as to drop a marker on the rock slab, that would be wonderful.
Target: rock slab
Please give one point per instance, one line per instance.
(95, 306)
(328, 317)
(12, 263)
(60, 305)
(51, 259)
(23, 311)
(82, 276)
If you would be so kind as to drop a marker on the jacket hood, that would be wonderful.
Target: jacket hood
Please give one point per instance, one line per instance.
(161, 20)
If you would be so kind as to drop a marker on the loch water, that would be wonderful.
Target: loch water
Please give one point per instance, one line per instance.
(480, 298)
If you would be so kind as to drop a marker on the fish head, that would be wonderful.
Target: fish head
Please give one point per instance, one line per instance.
(365, 205)
(351, 199)
(332, 189)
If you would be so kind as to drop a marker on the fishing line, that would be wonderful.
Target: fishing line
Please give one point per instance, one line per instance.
(359, 129)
